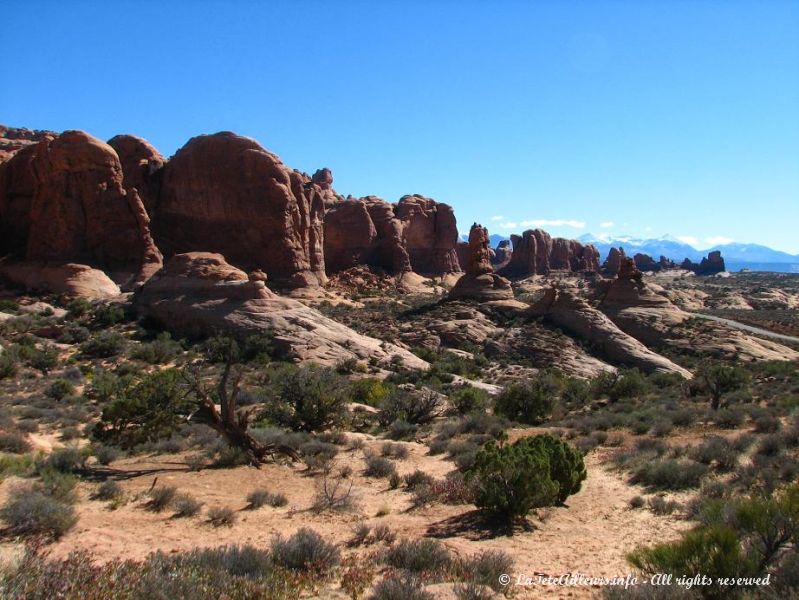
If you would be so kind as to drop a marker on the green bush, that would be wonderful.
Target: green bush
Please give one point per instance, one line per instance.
(525, 402)
(308, 398)
(103, 345)
(106, 315)
(14, 443)
(9, 364)
(59, 389)
(160, 351)
(369, 391)
(469, 400)
(533, 472)
(718, 379)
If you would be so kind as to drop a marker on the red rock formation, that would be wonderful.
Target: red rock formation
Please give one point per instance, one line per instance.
(14, 139)
(418, 234)
(502, 254)
(224, 193)
(17, 185)
(430, 233)
(535, 252)
(711, 265)
(480, 282)
(613, 261)
(644, 262)
(64, 198)
(142, 167)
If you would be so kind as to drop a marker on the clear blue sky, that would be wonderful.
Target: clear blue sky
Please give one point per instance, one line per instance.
(646, 117)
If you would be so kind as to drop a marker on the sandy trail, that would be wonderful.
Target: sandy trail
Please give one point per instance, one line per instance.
(591, 535)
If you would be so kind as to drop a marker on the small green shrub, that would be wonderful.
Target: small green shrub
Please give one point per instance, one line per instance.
(533, 472)
(469, 400)
(377, 466)
(219, 516)
(161, 497)
(14, 443)
(103, 345)
(108, 490)
(525, 402)
(186, 505)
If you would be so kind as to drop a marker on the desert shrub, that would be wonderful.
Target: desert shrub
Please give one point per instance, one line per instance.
(317, 454)
(469, 400)
(306, 550)
(186, 505)
(767, 424)
(258, 347)
(43, 359)
(14, 443)
(486, 567)
(59, 389)
(9, 365)
(29, 511)
(717, 379)
(333, 495)
(258, 498)
(533, 472)
(661, 506)
(716, 450)
(662, 428)
(308, 398)
(398, 451)
(158, 352)
(729, 418)
(383, 533)
(629, 384)
(576, 392)
(417, 478)
(472, 591)
(770, 445)
(400, 586)
(401, 430)
(78, 307)
(161, 497)
(378, 466)
(105, 455)
(150, 410)
(104, 385)
(526, 402)
(669, 474)
(636, 502)
(416, 408)
(219, 516)
(421, 556)
(58, 485)
(107, 315)
(67, 459)
(108, 490)
(103, 345)
(369, 391)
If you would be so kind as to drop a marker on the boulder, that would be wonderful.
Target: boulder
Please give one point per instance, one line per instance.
(142, 167)
(70, 279)
(199, 294)
(480, 282)
(225, 193)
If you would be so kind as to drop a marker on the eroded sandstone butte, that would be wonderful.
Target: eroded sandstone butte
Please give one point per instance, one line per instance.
(142, 167)
(416, 234)
(225, 193)
(535, 252)
(63, 200)
(480, 282)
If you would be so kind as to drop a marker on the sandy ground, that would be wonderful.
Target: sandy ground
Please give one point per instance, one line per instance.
(591, 535)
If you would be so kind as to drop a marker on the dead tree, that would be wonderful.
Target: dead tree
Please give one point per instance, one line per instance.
(230, 423)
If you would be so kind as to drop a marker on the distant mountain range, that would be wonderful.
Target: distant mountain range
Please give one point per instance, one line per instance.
(754, 257)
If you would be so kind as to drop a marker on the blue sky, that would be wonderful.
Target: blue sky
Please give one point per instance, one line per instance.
(638, 118)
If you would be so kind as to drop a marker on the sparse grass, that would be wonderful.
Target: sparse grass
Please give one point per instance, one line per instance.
(108, 490)
(421, 556)
(377, 466)
(29, 511)
(160, 497)
(306, 550)
(186, 505)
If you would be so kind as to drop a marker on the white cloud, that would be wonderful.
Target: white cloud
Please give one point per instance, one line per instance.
(553, 223)
(497, 218)
(688, 239)
(718, 240)
(648, 228)
(508, 225)
(606, 224)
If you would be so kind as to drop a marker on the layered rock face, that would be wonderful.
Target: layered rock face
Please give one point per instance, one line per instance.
(65, 199)
(480, 282)
(502, 254)
(574, 314)
(535, 252)
(197, 293)
(430, 233)
(225, 193)
(417, 234)
(142, 167)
